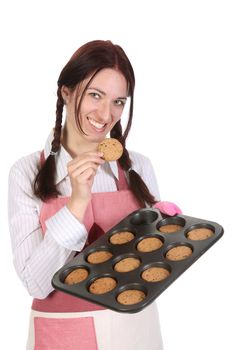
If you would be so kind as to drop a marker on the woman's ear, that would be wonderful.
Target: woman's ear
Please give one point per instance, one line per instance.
(66, 93)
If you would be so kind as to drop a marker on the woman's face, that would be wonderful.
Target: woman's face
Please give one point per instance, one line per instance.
(102, 105)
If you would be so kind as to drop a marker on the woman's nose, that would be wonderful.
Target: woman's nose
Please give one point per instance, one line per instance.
(104, 111)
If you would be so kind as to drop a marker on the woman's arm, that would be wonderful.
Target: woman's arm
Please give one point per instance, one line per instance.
(37, 258)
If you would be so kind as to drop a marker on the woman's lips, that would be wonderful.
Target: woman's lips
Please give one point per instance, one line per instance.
(97, 125)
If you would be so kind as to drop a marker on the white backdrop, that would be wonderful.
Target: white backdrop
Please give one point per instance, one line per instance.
(182, 55)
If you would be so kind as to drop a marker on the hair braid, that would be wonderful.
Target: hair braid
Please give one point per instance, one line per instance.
(58, 124)
(137, 185)
(44, 185)
(116, 132)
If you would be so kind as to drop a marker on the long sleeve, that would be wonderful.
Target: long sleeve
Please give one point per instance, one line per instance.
(37, 258)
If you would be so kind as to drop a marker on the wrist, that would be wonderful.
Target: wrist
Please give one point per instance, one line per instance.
(77, 208)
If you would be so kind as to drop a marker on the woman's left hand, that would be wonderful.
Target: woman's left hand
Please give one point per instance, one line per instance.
(167, 208)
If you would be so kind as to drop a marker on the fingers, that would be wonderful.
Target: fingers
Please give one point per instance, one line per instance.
(87, 175)
(84, 166)
(94, 157)
(80, 170)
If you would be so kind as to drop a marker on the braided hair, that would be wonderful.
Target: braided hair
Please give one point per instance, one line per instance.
(85, 63)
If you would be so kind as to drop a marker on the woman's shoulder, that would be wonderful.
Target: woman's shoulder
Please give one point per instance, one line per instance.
(26, 166)
(144, 167)
(138, 159)
(141, 163)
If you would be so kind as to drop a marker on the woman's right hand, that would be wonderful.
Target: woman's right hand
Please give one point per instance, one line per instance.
(81, 171)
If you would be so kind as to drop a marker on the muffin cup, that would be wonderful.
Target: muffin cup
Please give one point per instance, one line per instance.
(122, 240)
(102, 288)
(68, 271)
(186, 254)
(145, 217)
(160, 265)
(122, 258)
(102, 249)
(131, 287)
(177, 220)
(202, 234)
(150, 247)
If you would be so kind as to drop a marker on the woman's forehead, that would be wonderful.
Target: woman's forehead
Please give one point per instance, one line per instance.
(110, 81)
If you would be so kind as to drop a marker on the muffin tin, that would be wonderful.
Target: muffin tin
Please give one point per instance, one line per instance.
(143, 223)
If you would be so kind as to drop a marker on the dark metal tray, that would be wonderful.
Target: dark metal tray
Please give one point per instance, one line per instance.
(142, 223)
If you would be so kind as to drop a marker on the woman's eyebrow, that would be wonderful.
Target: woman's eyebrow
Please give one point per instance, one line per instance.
(94, 88)
(104, 93)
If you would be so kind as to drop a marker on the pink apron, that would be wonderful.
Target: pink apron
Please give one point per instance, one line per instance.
(104, 211)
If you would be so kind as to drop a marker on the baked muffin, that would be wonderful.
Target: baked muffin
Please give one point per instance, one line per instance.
(99, 257)
(155, 274)
(179, 253)
(127, 264)
(102, 285)
(149, 244)
(131, 296)
(199, 234)
(170, 228)
(121, 237)
(76, 276)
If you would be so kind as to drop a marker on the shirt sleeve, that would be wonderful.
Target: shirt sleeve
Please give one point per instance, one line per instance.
(67, 230)
(37, 258)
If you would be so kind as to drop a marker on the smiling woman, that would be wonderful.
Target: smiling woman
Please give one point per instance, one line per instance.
(65, 197)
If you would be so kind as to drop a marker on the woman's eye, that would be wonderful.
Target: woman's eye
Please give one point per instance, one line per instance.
(95, 95)
(119, 103)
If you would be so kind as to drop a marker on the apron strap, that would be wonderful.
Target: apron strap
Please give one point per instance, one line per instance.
(42, 158)
(121, 183)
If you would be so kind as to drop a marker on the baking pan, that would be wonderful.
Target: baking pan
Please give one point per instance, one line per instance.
(148, 273)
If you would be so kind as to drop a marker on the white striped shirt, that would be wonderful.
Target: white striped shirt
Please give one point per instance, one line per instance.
(37, 258)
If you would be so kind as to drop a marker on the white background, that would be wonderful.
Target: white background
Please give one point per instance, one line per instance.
(182, 55)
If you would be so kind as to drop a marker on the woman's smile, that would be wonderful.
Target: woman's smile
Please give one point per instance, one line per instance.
(97, 126)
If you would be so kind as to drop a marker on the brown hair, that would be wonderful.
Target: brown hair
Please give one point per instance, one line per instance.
(85, 63)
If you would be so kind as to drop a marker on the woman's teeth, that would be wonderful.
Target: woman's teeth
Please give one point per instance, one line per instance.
(96, 124)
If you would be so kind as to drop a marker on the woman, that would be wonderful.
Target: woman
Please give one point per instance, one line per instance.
(58, 200)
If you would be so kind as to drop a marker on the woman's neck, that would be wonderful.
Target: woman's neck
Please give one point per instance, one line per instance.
(76, 144)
